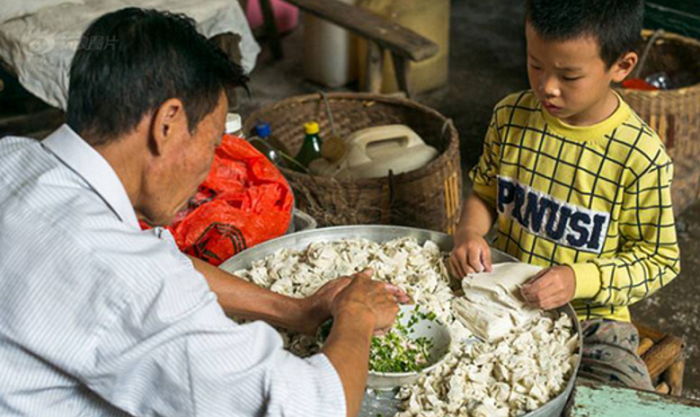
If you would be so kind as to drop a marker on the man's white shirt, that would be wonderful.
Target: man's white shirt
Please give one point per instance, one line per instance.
(98, 317)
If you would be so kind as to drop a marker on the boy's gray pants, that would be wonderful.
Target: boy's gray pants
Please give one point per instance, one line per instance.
(610, 354)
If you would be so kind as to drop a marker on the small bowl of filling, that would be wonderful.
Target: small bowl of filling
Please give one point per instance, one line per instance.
(415, 345)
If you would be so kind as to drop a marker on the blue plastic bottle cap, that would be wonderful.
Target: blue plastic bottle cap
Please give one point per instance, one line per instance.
(262, 130)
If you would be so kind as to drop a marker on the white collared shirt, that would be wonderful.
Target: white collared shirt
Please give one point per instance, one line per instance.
(99, 318)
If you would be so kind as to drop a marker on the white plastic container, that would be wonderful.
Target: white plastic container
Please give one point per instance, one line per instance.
(374, 151)
(234, 125)
(330, 56)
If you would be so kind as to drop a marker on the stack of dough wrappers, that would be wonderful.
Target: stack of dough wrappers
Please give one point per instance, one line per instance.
(492, 305)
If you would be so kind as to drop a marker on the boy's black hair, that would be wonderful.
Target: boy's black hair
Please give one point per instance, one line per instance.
(132, 60)
(616, 24)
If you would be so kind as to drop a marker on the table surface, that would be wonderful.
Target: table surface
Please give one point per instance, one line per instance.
(602, 400)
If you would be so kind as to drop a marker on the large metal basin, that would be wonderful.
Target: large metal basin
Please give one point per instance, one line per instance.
(382, 403)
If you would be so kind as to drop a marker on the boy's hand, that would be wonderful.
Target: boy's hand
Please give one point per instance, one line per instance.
(470, 254)
(550, 288)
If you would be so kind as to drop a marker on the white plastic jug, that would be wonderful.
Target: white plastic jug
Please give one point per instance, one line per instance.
(374, 151)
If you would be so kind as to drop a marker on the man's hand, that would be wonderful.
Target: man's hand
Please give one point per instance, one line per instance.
(317, 308)
(362, 308)
(550, 288)
(366, 297)
(470, 254)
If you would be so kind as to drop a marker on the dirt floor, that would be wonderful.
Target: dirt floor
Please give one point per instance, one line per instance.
(487, 62)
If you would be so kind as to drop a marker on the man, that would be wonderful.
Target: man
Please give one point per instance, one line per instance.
(100, 318)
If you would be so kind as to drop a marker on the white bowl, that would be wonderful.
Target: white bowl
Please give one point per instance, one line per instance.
(435, 330)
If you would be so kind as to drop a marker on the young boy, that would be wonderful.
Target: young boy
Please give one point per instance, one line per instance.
(577, 182)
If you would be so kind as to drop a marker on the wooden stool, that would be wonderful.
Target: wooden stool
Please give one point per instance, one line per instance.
(663, 355)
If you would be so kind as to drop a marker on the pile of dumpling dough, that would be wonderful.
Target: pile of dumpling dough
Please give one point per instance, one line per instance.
(524, 358)
(510, 373)
(417, 269)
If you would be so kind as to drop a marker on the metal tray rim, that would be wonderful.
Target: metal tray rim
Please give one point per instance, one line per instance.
(243, 259)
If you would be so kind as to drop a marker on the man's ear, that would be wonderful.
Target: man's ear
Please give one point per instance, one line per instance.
(622, 68)
(169, 123)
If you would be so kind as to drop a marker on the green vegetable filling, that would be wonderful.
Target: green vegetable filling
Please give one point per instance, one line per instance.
(397, 352)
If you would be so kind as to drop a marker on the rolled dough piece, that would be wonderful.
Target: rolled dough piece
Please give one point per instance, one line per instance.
(492, 306)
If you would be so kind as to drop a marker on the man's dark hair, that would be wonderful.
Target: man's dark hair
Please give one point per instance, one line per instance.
(131, 61)
(616, 24)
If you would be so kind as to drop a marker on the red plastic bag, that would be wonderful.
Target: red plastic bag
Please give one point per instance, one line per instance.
(638, 84)
(244, 201)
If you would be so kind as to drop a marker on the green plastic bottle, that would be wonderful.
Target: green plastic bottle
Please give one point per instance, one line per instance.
(311, 148)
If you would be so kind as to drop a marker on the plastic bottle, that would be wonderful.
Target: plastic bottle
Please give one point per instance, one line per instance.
(268, 145)
(233, 124)
(264, 132)
(311, 148)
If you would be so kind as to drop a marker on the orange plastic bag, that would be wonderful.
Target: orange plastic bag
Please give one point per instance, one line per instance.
(244, 201)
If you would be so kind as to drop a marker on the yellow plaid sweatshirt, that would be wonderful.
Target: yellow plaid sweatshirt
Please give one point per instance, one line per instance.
(596, 198)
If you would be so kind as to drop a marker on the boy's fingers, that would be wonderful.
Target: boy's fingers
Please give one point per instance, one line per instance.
(552, 302)
(475, 260)
(534, 295)
(546, 298)
(529, 296)
(454, 267)
(537, 300)
(534, 292)
(461, 264)
(486, 259)
(538, 282)
(459, 267)
(537, 276)
(537, 286)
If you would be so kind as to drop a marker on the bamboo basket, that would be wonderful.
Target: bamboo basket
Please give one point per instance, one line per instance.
(429, 197)
(674, 114)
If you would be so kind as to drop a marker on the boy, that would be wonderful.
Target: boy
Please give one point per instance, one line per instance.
(577, 182)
